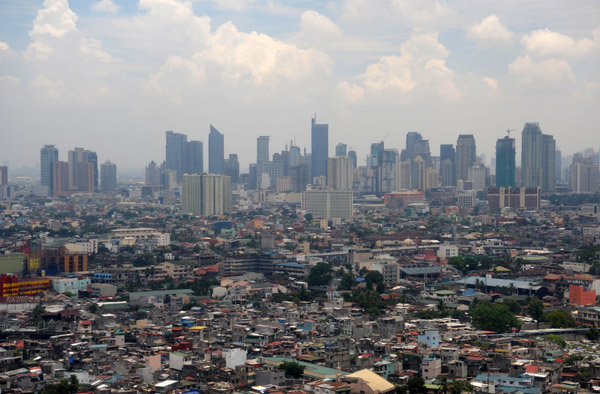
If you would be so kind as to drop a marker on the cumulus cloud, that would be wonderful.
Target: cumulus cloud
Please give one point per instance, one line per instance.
(491, 82)
(415, 11)
(490, 32)
(315, 28)
(551, 70)
(421, 62)
(547, 43)
(108, 6)
(4, 46)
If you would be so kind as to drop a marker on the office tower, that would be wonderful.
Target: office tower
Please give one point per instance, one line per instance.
(268, 172)
(353, 157)
(531, 155)
(418, 173)
(108, 172)
(294, 157)
(194, 159)
(548, 163)
(3, 175)
(558, 166)
(300, 176)
(152, 174)
(85, 177)
(584, 175)
(339, 173)
(75, 157)
(416, 146)
(92, 157)
(505, 162)
(466, 153)
(262, 149)
(341, 149)
(448, 165)
(319, 148)
(176, 152)
(328, 204)
(60, 179)
(403, 175)
(216, 152)
(48, 155)
(478, 175)
(206, 194)
(232, 168)
(386, 171)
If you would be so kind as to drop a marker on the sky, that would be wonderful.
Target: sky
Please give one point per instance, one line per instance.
(113, 75)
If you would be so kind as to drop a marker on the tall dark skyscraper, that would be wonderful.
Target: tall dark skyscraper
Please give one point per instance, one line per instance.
(216, 152)
(416, 146)
(176, 152)
(531, 155)
(319, 148)
(448, 165)
(353, 157)
(48, 155)
(466, 153)
(232, 168)
(548, 163)
(109, 177)
(262, 149)
(505, 162)
(194, 160)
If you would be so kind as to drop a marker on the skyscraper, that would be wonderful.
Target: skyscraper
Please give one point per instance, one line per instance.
(232, 168)
(3, 175)
(341, 149)
(505, 162)
(48, 155)
(216, 152)
(206, 194)
(60, 179)
(194, 160)
(584, 176)
(176, 152)
(152, 174)
(548, 163)
(83, 170)
(262, 149)
(531, 155)
(339, 173)
(448, 164)
(416, 146)
(319, 148)
(108, 173)
(352, 156)
(466, 153)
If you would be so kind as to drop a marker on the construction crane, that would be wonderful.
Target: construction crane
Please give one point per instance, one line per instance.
(386, 136)
(508, 132)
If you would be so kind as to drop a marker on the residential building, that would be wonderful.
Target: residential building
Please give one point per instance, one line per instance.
(328, 204)
(48, 155)
(466, 154)
(108, 172)
(505, 162)
(206, 194)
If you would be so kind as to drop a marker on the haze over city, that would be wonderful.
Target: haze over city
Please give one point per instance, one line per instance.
(113, 76)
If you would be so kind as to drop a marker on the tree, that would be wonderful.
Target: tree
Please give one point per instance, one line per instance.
(375, 278)
(513, 305)
(494, 317)
(416, 385)
(593, 334)
(320, 275)
(557, 339)
(348, 280)
(65, 386)
(535, 309)
(292, 369)
(560, 319)
(460, 386)
(308, 217)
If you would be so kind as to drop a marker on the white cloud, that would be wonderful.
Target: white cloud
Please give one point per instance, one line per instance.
(233, 5)
(552, 71)
(350, 92)
(547, 43)
(315, 27)
(4, 46)
(108, 6)
(490, 32)
(420, 63)
(56, 19)
(491, 82)
(413, 11)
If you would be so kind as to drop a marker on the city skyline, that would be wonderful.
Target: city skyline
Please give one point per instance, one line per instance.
(79, 74)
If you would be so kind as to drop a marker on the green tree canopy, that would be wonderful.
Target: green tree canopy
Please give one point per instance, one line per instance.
(535, 309)
(494, 317)
(320, 275)
(292, 369)
(560, 319)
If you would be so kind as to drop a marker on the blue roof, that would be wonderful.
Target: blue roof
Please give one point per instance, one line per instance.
(291, 265)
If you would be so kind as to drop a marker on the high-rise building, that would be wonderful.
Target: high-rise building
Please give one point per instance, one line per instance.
(403, 175)
(48, 155)
(85, 161)
(341, 149)
(448, 165)
(353, 157)
(478, 175)
(319, 148)
(176, 152)
(466, 153)
(152, 174)
(108, 173)
(232, 168)
(194, 160)
(516, 198)
(60, 179)
(92, 157)
(505, 162)
(216, 151)
(558, 166)
(531, 155)
(262, 149)
(75, 157)
(416, 146)
(548, 163)
(294, 157)
(339, 173)
(328, 204)
(584, 175)
(3, 175)
(206, 194)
